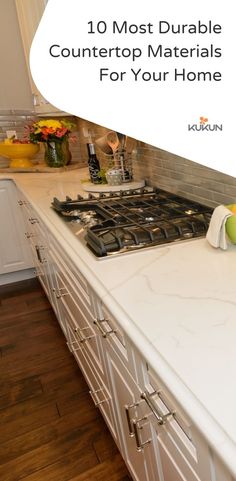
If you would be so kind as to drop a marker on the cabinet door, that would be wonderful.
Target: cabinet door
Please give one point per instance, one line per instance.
(131, 422)
(15, 91)
(29, 15)
(15, 254)
(78, 323)
(177, 454)
(36, 233)
(39, 247)
(79, 346)
(72, 294)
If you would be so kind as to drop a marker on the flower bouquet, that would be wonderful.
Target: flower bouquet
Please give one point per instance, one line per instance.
(55, 135)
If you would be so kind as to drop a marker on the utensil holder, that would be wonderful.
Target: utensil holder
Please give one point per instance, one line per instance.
(123, 163)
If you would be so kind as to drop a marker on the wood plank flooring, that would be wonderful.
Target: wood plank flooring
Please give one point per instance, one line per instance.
(50, 429)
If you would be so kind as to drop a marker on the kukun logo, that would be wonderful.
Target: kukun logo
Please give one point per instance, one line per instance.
(204, 125)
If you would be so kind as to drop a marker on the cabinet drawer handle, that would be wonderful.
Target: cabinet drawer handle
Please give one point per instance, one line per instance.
(161, 418)
(129, 422)
(37, 248)
(73, 346)
(59, 292)
(37, 272)
(95, 398)
(32, 220)
(137, 428)
(39, 256)
(22, 202)
(103, 332)
(79, 332)
(29, 235)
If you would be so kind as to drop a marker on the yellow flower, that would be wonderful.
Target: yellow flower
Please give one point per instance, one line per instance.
(53, 124)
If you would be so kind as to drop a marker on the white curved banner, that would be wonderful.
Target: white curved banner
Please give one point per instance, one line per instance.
(160, 71)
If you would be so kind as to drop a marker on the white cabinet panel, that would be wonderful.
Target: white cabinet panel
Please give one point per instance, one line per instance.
(154, 434)
(181, 451)
(15, 254)
(37, 236)
(124, 394)
(29, 15)
(15, 91)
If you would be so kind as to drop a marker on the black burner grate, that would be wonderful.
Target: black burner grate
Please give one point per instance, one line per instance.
(120, 223)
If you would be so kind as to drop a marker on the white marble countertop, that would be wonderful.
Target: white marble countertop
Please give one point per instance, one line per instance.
(179, 304)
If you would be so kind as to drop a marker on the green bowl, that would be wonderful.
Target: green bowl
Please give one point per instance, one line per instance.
(230, 225)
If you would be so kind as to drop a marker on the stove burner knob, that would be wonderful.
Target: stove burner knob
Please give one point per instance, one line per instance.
(68, 199)
(79, 197)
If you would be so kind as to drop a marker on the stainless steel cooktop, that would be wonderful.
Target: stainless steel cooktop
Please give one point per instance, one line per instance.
(119, 222)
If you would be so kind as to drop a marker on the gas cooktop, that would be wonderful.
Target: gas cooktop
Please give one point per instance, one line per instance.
(120, 222)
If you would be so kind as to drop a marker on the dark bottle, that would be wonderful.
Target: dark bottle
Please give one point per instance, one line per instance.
(93, 164)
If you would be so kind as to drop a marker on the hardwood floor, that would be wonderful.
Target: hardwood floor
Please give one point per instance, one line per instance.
(50, 429)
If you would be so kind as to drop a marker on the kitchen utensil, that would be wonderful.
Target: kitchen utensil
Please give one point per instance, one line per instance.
(113, 142)
(103, 145)
(122, 141)
(114, 177)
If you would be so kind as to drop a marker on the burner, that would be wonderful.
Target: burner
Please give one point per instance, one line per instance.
(118, 222)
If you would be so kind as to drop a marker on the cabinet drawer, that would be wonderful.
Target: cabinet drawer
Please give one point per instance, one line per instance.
(65, 264)
(98, 391)
(83, 329)
(74, 297)
(174, 436)
(115, 335)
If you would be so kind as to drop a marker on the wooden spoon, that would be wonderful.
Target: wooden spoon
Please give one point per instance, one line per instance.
(113, 142)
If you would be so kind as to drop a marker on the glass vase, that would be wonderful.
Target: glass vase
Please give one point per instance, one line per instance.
(57, 153)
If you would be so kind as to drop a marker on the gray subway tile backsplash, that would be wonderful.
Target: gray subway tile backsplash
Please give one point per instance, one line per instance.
(181, 176)
(156, 166)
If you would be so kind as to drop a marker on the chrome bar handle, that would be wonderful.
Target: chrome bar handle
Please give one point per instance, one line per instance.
(61, 293)
(30, 234)
(99, 326)
(137, 428)
(37, 272)
(72, 348)
(161, 418)
(129, 421)
(33, 220)
(79, 332)
(95, 398)
(22, 202)
(38, 252)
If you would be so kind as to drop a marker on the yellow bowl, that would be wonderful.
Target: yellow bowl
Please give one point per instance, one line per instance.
(230, 225)
(20, 154)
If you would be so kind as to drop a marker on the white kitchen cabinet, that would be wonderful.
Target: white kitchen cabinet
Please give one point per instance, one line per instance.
(154, 434)
(80, 327)
(152, 450)
(15, 254)
(37, 236)
(134, 436)
(15, 91)
(181, 452)
(29, 15)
